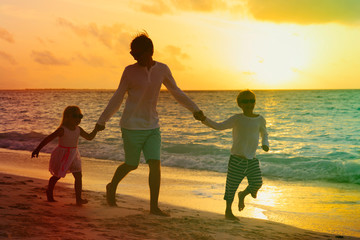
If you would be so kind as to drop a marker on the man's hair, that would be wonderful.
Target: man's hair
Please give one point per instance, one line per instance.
(142, 42)
(244, 93)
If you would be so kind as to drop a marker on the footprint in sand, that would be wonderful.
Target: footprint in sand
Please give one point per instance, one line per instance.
(21, 206)
(29, 196)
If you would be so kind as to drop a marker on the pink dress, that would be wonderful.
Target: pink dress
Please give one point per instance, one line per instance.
(66, 157)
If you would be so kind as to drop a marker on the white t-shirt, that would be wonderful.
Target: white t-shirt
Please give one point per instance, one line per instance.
(245, 133)
(143, 87)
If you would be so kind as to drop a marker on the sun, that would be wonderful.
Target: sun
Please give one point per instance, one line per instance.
(279, 61)
(271, 55)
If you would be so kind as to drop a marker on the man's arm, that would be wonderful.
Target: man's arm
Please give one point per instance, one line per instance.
(178, 94)
(114, 103)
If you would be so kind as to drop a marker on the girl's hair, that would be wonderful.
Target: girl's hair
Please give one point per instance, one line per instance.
(68, 112)
(244, 93)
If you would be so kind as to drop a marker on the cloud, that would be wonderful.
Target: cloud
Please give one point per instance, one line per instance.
(175, 57)
(278, 11)
(113, 37)
(156, 7)
(160, 7)
(200, 5)
(93, 61)
(7, 57)
(306, 11)
(47, 58)
(5, 35)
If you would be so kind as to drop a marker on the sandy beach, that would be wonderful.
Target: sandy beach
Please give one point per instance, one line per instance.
(26, 214)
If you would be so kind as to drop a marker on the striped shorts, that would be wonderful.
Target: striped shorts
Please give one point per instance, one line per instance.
(238, 169)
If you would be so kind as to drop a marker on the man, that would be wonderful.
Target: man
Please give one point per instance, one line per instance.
(139, 122)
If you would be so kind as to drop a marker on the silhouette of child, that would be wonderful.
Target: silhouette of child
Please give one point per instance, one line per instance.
(246, 128)
(66, 157)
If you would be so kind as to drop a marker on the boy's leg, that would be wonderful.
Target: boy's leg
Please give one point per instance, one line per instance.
(228, 212)
(242, 195)
(235, 175)
(50, 190)
(254, 180)
(254, 177)
(78, 188)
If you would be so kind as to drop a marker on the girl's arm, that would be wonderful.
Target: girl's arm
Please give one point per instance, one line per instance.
(58, 133)
(88, 136)
(219, 126)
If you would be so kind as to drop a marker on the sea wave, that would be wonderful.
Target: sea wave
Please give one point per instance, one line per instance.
(334, 167)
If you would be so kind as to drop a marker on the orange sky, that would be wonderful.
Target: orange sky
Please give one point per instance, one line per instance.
(214, 44)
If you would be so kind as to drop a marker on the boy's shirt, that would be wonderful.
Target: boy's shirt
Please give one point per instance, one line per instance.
(245, 133)
(143, 87)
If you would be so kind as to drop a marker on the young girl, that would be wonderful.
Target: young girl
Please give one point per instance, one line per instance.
(66, 157)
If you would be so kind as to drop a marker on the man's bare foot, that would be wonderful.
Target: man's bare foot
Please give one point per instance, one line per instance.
(110, 196)
(230, 216)
(241, 196)
(81, 202)
(157, 211)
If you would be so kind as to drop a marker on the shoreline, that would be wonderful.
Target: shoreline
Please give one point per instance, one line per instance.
(27, 215)
(22, 197)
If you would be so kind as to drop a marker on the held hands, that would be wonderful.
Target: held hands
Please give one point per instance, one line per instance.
(35, 153)
(199, 115)
(265, 148)
(99, 127)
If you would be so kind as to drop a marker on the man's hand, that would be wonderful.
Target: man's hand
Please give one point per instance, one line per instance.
(199, 116)
(99, 127)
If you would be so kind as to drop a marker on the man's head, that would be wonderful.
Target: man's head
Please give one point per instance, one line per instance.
(141, 47)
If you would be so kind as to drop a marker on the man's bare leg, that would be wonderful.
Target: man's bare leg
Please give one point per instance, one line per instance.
(119, 174)
(154, 184)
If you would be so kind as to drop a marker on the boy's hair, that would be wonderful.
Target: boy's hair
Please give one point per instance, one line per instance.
(142, 42)
(244, 93)
(69, 111)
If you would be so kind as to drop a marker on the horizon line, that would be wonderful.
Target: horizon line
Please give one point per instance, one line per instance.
(188, 90)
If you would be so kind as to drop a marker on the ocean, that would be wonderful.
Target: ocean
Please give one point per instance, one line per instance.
(314, 134)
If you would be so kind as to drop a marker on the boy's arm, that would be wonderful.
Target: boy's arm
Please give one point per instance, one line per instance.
(264, 136)
(88, 136)
(219, 126)
(59, 132)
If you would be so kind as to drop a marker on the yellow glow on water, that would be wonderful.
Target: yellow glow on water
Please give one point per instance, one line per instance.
(259, 213)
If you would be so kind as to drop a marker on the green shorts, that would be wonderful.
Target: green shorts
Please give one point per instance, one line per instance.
(135, 141)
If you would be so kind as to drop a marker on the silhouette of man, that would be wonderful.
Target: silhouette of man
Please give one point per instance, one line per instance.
(139, 122)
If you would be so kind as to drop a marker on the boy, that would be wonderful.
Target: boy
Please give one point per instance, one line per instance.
(246, 128)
